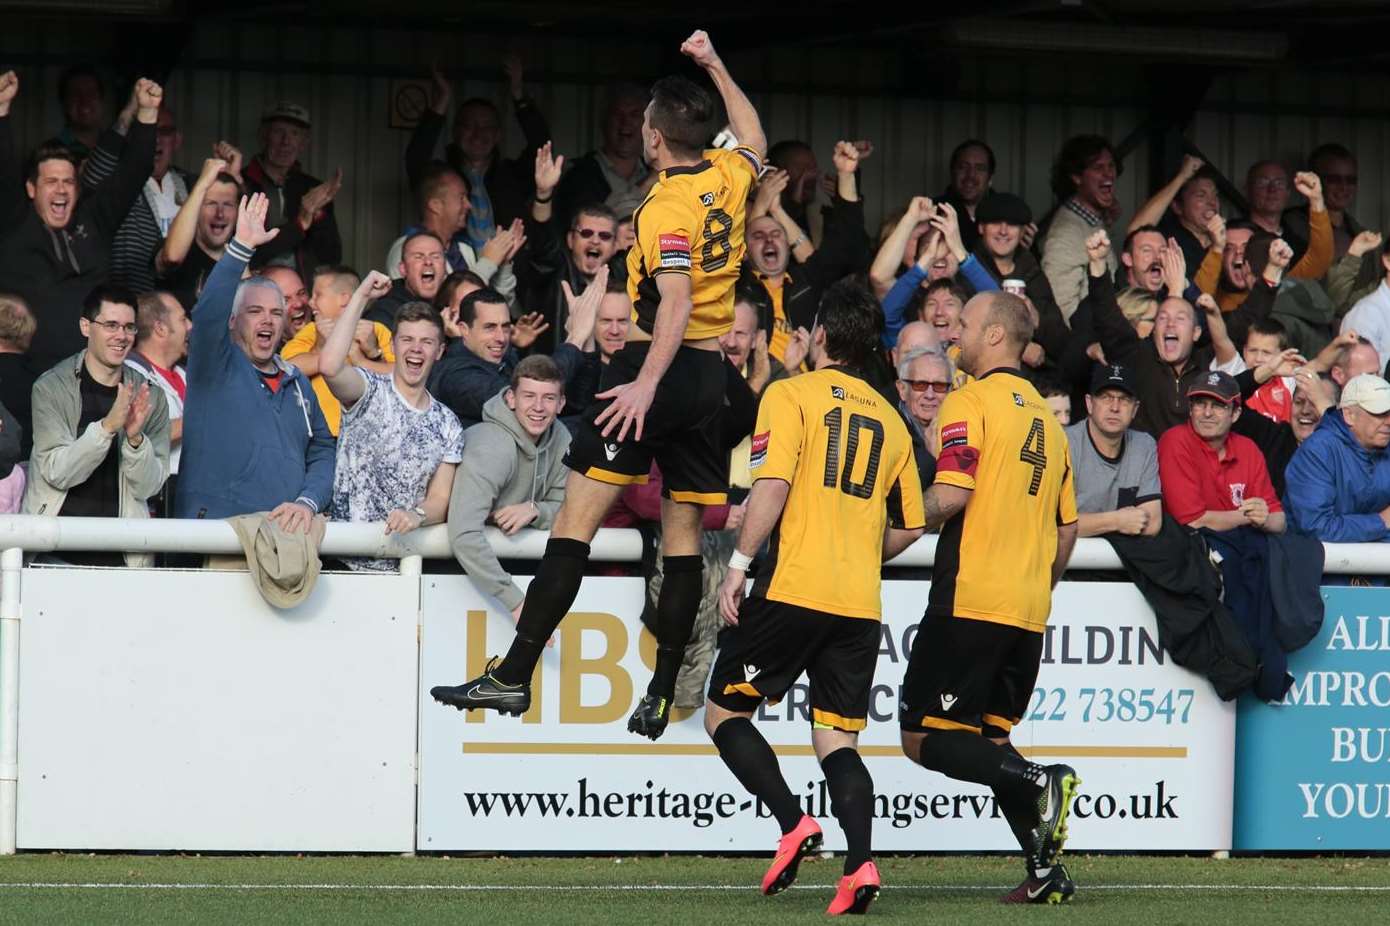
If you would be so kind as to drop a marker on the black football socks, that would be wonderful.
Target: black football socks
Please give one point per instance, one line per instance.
(852, 802)
(968, 756)
(548, 600)
(754, 764)
(682, 583)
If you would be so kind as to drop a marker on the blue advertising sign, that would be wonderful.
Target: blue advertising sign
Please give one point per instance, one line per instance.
(1313, 772)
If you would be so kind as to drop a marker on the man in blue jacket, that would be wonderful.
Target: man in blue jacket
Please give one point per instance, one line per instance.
(1338, 482)
(254, 438)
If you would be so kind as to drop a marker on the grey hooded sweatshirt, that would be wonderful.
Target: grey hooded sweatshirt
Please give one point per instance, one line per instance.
(502, 466)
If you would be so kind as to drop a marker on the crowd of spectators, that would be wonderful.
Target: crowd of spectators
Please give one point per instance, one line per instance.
(193, 343)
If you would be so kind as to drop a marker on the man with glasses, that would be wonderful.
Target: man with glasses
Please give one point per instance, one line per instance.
(101, 433)
(552, 258)
(1115, 468)
(1267, 186)
(1336, 166)
(924, 378)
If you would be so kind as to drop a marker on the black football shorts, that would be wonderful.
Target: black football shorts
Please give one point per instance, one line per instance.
(971, 675)
(681, 432)
(775, 642)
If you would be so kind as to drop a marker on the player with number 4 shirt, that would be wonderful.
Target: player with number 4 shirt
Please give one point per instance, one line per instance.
(1004, 502)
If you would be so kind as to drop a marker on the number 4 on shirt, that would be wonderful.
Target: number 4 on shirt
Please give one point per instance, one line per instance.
(1034, 453)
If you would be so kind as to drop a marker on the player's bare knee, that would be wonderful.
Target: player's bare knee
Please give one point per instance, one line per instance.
(828, 740)
(680, 528)
(716, 715)
(586, 502)
(912, 745)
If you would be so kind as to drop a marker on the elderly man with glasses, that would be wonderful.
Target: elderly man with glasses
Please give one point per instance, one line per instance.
(925, 375)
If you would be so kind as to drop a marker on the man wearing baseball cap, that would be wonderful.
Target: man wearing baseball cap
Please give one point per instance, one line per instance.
(1339, 478)
(1002, 219)
(1210, 477)
(301, 206)
(1115, 468)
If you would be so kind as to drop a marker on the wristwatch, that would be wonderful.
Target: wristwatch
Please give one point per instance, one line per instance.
(419, 510)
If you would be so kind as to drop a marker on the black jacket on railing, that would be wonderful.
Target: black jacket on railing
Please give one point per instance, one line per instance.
(1175, 576)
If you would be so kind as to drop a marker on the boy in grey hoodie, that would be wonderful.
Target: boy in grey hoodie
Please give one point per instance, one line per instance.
(512, 474)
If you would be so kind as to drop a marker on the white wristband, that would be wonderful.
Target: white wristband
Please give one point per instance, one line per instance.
(739, 561)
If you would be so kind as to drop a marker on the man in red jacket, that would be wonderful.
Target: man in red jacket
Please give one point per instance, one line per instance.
(1210, 477)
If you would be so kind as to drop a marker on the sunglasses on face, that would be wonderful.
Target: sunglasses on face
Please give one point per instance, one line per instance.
(922, 385)
(587, 233)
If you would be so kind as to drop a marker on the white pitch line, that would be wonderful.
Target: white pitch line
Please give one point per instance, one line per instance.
(643, 888)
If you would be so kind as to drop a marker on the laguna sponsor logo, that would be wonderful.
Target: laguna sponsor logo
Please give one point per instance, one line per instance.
(837, 392)
(674, 252)
(758, 451)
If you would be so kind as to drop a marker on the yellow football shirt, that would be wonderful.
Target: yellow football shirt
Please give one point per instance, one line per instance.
(304, 342)
(692, 223)
(848, 457)
(781, 327)
(994, 559)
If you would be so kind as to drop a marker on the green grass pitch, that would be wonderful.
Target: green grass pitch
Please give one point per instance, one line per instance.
(1129, 891)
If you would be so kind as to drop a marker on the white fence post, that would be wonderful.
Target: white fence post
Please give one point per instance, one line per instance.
(11, 571)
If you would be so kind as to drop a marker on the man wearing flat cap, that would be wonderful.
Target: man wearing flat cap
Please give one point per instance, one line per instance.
(301, 206)
(1115, 468)
(1339, 478)
(1210, 477)
(1002, 219)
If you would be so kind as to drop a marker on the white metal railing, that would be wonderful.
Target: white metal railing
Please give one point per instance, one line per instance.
(23, 534)
(43, 534)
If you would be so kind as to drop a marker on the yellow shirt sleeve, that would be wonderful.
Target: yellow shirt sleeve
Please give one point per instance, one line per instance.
(905, 510)
(1066, 502)
(301, 343)
(962, 436)
(383, 338)
(1209, 273)
(665, 230)
(778, 436)
(742, 155)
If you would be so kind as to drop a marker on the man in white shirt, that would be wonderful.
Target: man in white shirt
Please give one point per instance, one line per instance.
(161, 345)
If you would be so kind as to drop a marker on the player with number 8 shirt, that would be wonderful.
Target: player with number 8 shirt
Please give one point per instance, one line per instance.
(662, 396)
(1006, 507)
